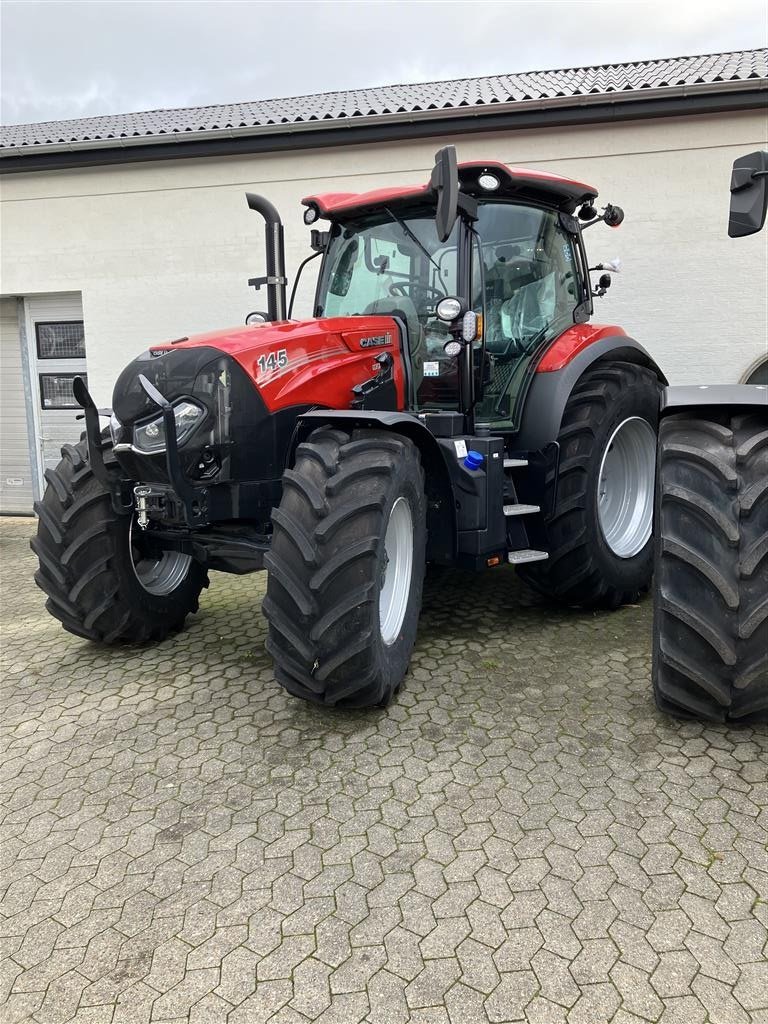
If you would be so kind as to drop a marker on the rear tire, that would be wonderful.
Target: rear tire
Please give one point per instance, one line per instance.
(346, 567)
(710, 633)
(89, 571)
(600, 558)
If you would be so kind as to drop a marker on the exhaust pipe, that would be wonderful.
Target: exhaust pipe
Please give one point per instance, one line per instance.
(275, 246)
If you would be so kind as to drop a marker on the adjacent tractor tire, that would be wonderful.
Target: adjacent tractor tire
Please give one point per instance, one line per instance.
(599, 536)
(346, 567)
(102, 581)
(710, 632)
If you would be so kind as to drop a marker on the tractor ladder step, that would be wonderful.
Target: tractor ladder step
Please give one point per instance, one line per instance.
(527, 555)
(520, 510)
(515, 463)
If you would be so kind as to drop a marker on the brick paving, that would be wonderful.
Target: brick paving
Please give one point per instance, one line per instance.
(519, 837)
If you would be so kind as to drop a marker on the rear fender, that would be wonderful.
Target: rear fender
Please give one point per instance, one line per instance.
(549, 391)
(441, 509)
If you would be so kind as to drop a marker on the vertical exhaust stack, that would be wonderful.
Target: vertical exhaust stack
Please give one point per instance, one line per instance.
(275, 246)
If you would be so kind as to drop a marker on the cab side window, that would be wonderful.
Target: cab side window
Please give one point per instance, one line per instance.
(530, 275)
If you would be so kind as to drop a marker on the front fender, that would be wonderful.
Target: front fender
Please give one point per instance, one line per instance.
(442, 528)
(549, 391)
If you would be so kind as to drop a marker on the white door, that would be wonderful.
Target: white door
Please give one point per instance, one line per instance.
(16, 491)
(56, 338)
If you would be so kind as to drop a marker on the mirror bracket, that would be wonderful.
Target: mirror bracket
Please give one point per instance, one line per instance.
(319, 240)
(468, 205)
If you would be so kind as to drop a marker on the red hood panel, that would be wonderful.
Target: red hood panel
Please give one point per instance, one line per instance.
(309, 362)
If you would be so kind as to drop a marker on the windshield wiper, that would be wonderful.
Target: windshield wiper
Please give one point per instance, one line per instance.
(413, 237)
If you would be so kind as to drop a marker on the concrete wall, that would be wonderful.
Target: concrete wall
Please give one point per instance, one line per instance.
(164, 249)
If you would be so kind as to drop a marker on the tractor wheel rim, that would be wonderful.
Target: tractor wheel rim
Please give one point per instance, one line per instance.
(398, 569)
(625, 487)
(159, 576)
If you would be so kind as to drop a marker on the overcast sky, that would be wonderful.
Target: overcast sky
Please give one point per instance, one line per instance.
(62, 59)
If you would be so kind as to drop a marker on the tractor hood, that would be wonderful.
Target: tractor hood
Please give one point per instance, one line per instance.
(310, 362)
(248, 384)
(314, 362)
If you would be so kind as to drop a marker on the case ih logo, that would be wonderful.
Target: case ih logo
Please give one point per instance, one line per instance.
(376, 340)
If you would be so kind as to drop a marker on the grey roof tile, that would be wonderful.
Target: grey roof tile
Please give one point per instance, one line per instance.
(406, 98)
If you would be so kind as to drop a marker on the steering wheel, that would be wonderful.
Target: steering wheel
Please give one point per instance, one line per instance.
(415, 292)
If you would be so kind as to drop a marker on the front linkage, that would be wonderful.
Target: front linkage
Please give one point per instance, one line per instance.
(180, 500)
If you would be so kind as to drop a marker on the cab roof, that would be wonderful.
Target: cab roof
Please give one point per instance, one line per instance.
(515, 182)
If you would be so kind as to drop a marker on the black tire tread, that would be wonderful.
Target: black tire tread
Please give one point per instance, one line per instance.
(78, 570)
(711, 610)
(326, 535)
(571, 574)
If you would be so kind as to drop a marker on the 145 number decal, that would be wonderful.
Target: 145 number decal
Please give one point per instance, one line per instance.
(273, 361)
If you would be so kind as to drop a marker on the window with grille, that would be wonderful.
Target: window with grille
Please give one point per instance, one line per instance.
(56, 390)
(61, 339)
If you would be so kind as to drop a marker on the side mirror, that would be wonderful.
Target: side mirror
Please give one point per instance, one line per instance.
(613, 216)
(444, 182)
(749, 194)
(603, 284)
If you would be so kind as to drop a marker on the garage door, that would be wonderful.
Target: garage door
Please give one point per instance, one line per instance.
(57, 355)
(15, 476)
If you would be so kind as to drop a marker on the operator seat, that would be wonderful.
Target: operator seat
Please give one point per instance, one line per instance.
(509, 273)
(402, 306)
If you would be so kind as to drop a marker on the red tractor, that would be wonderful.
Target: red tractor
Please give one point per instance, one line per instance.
(450, 403)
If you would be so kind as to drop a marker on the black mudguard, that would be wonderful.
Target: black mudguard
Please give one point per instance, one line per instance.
(549, 392)
(713, 396)
(441, 510)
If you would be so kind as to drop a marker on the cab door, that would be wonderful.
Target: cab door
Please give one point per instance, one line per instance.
(532, 293)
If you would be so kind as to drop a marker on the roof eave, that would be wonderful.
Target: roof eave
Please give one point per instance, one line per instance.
(670, 97)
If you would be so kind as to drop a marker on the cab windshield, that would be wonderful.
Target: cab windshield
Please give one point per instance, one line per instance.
(393, 265)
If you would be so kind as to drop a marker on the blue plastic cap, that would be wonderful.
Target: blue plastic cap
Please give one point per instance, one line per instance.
(474, 460)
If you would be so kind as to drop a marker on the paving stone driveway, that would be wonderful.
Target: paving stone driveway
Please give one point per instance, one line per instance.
(519, 837)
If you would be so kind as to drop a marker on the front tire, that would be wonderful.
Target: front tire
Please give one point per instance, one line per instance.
(710, 631)
(599, 535)
(346, 567)
(101, 581)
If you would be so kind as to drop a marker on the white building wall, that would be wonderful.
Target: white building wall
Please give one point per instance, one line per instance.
(163, 249)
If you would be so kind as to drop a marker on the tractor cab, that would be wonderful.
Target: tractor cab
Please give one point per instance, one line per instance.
(512, 256)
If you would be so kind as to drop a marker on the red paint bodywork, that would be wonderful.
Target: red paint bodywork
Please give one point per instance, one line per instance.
(332, 204)
(571, 342)
(325, 358)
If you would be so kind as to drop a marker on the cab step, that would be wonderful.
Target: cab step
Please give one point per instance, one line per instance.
(520, 510)
(527, 555)
(515, 463)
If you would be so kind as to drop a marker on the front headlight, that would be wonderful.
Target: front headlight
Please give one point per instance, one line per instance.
(150, 437)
